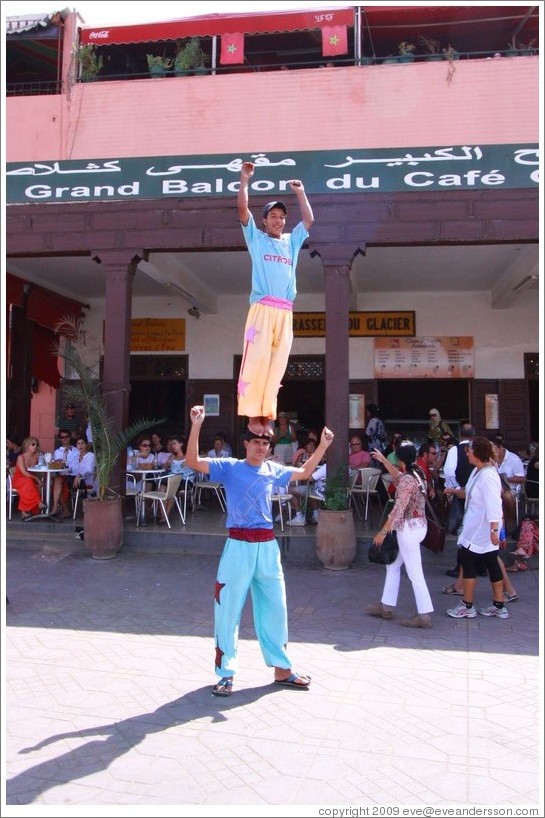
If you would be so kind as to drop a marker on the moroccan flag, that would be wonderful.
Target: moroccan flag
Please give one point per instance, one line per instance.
(232, 49)
(334, 41)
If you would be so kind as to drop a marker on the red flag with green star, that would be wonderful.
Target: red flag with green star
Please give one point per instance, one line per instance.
(334, 41)
(232, 49)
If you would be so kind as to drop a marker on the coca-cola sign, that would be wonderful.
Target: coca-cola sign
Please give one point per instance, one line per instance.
(99, 35)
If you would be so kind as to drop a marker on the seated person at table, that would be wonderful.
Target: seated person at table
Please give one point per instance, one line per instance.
(84, 467)
(219, 449)
(82, 474)
(144, 459)
(302, 455)
(61, 484)
(13, 450)
(176, 465)
(176, 461)
(226, 445)
(26, 484)
(509, 464)
(300, 498)
(358, 457)
(158, 449)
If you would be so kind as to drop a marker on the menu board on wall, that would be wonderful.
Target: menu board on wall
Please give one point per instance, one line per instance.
(427, 357)
(157, 334)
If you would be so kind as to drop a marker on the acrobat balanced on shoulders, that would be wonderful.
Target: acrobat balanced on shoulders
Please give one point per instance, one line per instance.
(268, 333)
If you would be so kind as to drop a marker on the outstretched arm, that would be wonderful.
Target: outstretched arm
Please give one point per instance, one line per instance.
(390, 468)
(192, 457)
(246, 173)
(307, 216)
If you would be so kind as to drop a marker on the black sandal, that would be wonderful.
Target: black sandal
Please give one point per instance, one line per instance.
(224, 687)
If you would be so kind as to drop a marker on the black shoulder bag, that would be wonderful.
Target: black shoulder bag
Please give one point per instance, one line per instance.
(387, 552)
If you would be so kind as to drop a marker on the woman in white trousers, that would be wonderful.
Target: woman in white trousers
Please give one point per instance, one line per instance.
(408, 519)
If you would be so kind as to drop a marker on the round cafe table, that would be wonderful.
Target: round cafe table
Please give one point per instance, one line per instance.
(48, 472)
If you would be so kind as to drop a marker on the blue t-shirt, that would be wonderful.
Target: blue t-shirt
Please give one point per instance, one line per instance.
(273, 261)
(248, 489)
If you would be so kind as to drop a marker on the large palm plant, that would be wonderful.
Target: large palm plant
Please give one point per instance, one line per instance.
(108, 443)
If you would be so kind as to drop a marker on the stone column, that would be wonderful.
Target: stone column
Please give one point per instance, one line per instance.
(118, 267)
(337, 261)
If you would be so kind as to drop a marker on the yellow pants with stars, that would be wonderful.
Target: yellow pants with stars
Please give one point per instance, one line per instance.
(268, 336)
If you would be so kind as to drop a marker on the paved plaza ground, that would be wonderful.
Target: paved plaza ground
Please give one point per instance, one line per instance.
(109, 667)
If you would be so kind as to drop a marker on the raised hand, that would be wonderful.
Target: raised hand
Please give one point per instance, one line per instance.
(326, 437)
(197, 415)
(247, 170)
(296, 184)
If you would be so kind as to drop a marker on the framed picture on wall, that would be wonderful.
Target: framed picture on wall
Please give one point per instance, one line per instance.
(356, 413)
(491, 411)
(211, 405)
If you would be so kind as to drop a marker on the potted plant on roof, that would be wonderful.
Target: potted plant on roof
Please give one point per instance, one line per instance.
(516, 48)
(159, 64)
(190, 58)
(336, 534)
(102, 515)
(406, 51)
(431, 47)
(90, 63)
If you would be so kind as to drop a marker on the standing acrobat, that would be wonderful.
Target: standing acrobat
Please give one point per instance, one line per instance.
(268, 333)
(251, 556)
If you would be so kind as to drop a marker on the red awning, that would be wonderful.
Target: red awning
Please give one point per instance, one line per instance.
(217, 24)
(44, 307)
(44, 362)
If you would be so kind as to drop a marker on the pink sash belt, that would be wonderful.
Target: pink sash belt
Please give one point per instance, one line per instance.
(279, 303)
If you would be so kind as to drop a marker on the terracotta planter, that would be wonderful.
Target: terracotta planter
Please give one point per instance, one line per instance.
(103, 527)
(336, 539)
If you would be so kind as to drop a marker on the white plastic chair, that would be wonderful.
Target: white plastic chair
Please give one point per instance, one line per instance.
(172, 484)
(365, 487)
(281, 497)
(208, 485)
(132, 491)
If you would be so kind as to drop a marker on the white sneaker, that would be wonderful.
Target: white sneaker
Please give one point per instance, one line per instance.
(502, 613)
(299, 519)
(461, 612)
(278, 518)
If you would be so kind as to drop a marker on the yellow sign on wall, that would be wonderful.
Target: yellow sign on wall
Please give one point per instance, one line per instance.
(360, 324)
(157, 334)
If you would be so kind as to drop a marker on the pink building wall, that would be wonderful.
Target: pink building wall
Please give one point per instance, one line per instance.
(489, 101)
